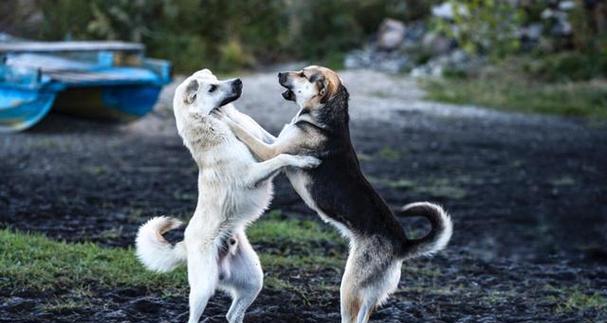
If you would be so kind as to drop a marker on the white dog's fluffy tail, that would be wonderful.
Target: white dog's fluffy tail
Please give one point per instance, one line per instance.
(155, 252)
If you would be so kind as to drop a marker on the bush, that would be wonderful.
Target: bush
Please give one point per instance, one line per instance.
(567, 66)
(484, 26)
(227, 35)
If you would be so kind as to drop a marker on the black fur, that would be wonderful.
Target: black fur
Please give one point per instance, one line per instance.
(338, 186)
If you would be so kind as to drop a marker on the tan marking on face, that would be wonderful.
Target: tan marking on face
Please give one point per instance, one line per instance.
(313, 85)
(331, 81)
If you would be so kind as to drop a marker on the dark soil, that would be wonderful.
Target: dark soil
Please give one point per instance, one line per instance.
(528, 197)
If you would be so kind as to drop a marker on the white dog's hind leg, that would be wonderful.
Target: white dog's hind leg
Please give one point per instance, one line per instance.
(203, 274)
(260, 172)
(245, 280)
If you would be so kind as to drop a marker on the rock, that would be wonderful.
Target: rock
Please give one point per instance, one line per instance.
(533, 32)
(391, 62)
(446, 10)
(436, 44)
(391, 34)
(394, 51)
(566, 5)
(456, 61)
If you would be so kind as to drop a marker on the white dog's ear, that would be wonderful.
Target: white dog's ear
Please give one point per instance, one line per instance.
(191, 91)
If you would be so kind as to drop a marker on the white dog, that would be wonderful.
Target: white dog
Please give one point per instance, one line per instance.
(233, 190)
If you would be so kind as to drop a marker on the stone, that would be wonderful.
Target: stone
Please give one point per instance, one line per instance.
(391, 34)
(436, 44)
(446, 10)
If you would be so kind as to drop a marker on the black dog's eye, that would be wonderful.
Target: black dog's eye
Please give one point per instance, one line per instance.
(212, 88)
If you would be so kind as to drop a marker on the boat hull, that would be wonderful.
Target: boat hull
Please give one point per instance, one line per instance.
(23, 108)
(113, 103)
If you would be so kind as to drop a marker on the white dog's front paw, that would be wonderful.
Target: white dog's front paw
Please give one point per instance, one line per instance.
(306, 161)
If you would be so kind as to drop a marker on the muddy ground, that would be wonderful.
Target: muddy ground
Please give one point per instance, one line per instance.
(528, 195)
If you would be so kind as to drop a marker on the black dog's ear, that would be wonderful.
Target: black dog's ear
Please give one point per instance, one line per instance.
(190, 92)
(323, 89)
(322, 85)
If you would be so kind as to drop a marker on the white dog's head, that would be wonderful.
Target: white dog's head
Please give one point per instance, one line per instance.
(202, 92)
(195, 98)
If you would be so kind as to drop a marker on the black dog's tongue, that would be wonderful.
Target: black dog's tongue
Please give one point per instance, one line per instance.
(288, 95)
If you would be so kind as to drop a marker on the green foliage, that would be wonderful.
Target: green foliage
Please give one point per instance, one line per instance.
(484, 26)
(228, 35)
(567, 66)
(510, 87)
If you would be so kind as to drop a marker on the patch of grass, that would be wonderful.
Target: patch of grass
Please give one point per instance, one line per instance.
(563, 181)
(273, 228)
(61, 305)
(577, 301)
(441, 187)
(96, 170)
(364, 157)
(399, 183)
(301, 262)
(511, 86)
(495, 297)
(36, 262)
(389, 154)
(442, 190)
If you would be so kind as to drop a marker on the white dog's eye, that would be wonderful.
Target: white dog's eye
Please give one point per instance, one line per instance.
(212, 88)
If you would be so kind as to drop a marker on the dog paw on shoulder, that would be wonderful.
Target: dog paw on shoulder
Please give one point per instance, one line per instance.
(307, 161)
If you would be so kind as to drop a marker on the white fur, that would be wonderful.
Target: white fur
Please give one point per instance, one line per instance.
(443, 239)
(155, 252)
(233, 190)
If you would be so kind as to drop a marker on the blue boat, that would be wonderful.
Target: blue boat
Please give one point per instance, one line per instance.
(102, 80)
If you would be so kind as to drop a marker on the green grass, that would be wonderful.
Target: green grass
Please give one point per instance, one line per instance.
(389, 154)
(42, 264)
(578, 301)
(580, 99)
(35, 262)
(437, 187)
(273, 228)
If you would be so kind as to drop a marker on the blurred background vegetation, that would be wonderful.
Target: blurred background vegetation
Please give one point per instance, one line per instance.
(227, 34)
(553, 51)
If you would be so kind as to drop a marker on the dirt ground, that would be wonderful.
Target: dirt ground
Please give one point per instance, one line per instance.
(528, 195)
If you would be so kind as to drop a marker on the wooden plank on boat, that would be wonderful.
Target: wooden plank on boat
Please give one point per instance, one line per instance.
(111, 75)
(71, 46)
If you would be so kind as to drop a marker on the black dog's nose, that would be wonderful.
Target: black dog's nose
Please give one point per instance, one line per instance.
(237, 82)
(282, 77)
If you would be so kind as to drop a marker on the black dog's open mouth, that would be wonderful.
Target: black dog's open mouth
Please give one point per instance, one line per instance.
(288, 95)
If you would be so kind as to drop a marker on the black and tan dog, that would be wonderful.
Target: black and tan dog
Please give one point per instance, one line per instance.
(339, 192)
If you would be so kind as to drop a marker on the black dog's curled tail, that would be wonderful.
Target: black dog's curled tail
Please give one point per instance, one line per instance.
(438, 237)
